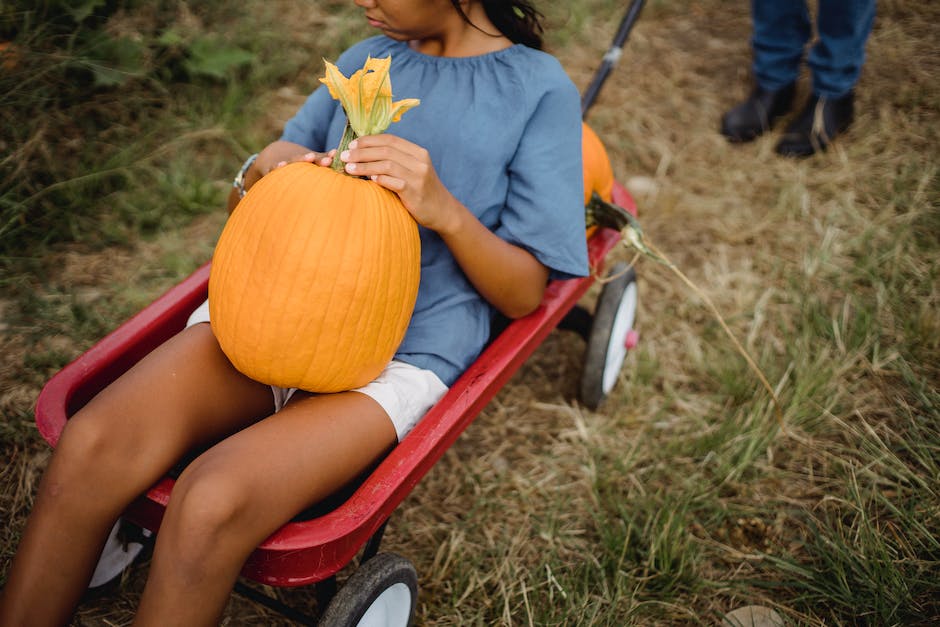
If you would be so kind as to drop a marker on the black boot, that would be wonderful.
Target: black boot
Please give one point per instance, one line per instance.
(820, 121)
(757, 114)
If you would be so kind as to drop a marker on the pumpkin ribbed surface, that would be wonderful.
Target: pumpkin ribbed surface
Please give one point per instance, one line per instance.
(314, 279)
(598, 174)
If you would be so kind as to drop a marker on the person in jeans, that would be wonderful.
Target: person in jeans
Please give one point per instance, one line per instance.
(781, 30)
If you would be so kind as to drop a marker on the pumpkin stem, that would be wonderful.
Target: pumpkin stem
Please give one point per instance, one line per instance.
(599, 212)
(348, 135)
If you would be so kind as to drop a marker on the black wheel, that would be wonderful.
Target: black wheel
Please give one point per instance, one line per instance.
(383, 592)
(612, 335)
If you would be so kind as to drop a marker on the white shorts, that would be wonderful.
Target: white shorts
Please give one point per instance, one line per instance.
(404, 391)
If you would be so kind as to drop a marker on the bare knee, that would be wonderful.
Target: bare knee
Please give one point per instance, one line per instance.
(90, 448)
(90, 478)
(206, 522)
(207, 501)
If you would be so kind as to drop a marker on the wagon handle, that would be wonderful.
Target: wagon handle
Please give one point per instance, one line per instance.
(612, 56)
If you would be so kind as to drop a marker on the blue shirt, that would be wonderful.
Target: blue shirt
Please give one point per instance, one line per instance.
(504, 134)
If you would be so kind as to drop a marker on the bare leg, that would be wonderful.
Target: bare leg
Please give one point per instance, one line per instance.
(241, 490)
(182, 395)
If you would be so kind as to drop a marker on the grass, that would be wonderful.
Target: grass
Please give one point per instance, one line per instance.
(680, 499)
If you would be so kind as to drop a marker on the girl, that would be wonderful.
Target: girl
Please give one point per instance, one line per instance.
(489, 165)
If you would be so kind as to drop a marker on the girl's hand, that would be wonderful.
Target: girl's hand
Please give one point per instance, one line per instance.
(506, 275)
(316, 158)
(280, 153)
(273, 156)
(404, 168)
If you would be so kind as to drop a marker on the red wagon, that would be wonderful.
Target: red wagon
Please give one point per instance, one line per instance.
(314, 548)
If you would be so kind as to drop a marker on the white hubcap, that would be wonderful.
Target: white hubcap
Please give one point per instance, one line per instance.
(391, 608)
(617, 347)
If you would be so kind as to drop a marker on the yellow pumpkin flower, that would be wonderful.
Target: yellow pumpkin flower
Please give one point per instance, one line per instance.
(366, 96)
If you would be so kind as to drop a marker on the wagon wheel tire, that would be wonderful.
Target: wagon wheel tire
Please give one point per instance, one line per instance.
(382, 592)
(607, 348)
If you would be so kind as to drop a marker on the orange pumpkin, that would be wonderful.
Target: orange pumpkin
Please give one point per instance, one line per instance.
(314, 279)
(598, 174)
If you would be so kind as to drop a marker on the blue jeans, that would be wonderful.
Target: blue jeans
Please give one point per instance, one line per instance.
(782, 28)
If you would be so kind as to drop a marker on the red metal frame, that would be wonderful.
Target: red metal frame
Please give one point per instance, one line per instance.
(306, 552)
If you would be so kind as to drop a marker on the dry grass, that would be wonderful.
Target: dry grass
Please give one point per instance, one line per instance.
(681, 498)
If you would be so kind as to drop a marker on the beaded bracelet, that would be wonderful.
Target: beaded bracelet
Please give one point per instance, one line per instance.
(239, 182)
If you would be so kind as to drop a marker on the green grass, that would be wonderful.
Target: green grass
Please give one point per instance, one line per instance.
(123, 99)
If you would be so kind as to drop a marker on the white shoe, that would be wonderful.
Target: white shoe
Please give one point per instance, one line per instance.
(118, 554)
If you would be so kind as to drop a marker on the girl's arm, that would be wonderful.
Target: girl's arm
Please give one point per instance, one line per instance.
(507, 276)
(276, 154)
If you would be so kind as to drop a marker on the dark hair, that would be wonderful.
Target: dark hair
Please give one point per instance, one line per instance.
(517, 20)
